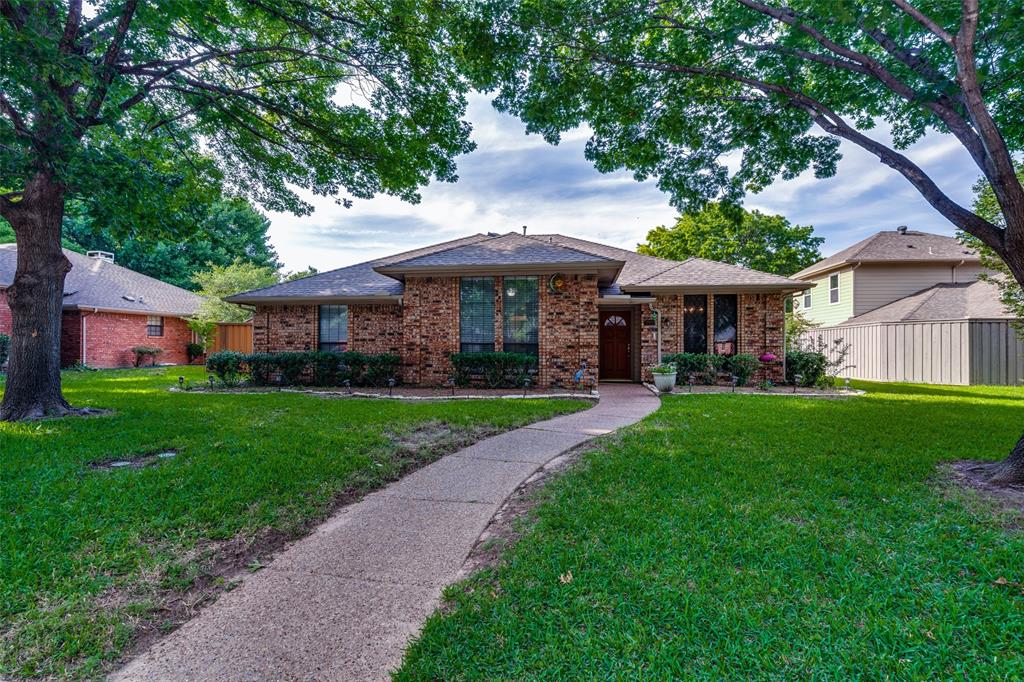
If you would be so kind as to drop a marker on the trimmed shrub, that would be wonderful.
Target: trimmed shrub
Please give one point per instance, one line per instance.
(743, 366)
(495, 370)
(261, 367)
(810, 366)
(227, 366)
(704, 367)
(292, 366)
(143, 352)
(379, 368)
(193, 351)
(5, 348)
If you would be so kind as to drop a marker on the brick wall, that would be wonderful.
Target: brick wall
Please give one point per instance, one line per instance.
(5, 313)
(277, 328)
(109, 338)
(568, 332)
(70, 337)
(430, 329)
(762, 327)
(375, 328)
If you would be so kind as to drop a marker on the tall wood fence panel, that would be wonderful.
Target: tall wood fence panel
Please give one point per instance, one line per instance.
(958, 352)
(236, 336)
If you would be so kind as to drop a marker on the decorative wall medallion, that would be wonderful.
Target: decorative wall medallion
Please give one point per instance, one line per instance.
(556, 283)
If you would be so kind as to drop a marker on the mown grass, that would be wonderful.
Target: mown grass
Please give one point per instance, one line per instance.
(756, 537)
(84, 551)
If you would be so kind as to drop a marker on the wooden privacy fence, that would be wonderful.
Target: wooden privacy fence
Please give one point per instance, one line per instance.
(932, 352)
(236, 336)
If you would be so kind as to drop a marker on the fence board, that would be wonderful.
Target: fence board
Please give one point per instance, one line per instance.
(236, 336)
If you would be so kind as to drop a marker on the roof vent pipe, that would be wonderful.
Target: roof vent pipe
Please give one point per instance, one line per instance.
(524, 230)
(902, 229)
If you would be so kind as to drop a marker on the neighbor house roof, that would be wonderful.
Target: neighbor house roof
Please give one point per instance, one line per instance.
(977, 300)
(94, 283)
(895, 246)
(619, 270)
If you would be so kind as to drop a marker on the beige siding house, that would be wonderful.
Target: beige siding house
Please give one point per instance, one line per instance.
(911, 307)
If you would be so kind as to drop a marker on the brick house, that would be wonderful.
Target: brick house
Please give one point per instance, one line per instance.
(569, 301)
(109, 309)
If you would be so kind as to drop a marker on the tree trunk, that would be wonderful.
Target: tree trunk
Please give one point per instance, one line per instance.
(35, 298)
(1011, 470)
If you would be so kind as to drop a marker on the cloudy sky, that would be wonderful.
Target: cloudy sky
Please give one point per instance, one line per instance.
(514, 179)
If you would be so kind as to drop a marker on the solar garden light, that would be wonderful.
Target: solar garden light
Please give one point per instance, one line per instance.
(797, 378)
(689, 381)
(391, 386)
(211, 381)
(735, 380)
(846, 381)
(526, 385)
(181, 381)
(348, 385)
(451, 385)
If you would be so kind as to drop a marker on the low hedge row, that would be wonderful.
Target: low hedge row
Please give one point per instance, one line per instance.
(706, 367)
(320, 368)
(495, 370)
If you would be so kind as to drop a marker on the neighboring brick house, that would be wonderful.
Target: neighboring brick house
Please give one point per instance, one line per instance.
(569, 301)
(109, 309)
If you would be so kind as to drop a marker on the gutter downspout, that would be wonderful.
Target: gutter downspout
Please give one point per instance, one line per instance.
(955, 279)
(85, 328)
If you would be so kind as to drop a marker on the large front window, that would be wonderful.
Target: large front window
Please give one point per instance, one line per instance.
(726, 321)
(476, 314)
(333, 327)
(521, 312)
(695, 323)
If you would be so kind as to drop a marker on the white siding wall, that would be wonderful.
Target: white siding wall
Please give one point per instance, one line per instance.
(955, 352)
(876, 285)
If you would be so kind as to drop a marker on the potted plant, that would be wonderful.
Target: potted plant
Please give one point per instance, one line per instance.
(664, 377)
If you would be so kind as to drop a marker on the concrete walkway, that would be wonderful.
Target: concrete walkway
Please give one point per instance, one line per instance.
(342, 603)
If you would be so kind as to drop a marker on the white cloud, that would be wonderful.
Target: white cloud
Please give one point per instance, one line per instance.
(514, 179)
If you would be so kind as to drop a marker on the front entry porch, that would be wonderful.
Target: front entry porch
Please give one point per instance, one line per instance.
(618, 343)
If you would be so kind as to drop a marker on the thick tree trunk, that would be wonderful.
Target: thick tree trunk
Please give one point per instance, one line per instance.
(1011, 470)
(35, 297)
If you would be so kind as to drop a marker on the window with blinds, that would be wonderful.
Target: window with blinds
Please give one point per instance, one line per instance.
(333, 328)
(476, 314)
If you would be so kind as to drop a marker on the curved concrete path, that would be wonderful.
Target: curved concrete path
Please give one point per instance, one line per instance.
(342, 603)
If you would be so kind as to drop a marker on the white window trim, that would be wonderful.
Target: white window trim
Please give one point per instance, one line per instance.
(836, 289)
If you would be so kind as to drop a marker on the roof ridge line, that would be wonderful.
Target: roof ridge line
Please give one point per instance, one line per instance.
(486, 238)
(563, 246)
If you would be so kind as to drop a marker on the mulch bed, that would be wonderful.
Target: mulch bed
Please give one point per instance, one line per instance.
(807, 392)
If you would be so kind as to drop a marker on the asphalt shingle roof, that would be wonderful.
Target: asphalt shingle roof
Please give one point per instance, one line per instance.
(96, 283)
(894, 246)
(509, 249)
(977, 300)
(506, 249)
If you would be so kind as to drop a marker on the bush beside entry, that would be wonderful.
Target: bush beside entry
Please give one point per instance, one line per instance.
(705, 367)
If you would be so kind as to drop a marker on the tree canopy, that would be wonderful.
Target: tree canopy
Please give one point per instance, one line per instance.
(220, 281)
(733, 235)
(716, 98)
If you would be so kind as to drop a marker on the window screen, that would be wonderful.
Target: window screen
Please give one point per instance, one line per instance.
(726, 320)
(521, 307)
(476, 314)
(154, 325)
(807, 299)
(333, 327)
(695, 323)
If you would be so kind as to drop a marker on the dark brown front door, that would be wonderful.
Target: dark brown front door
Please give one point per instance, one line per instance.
(615, 338)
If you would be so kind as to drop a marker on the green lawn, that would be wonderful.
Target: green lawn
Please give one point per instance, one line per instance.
(740, 537)
(85, 554)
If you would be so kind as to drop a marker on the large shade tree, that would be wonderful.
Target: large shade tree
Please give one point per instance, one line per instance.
(122, 102)
(730, 234)
(715, 98)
